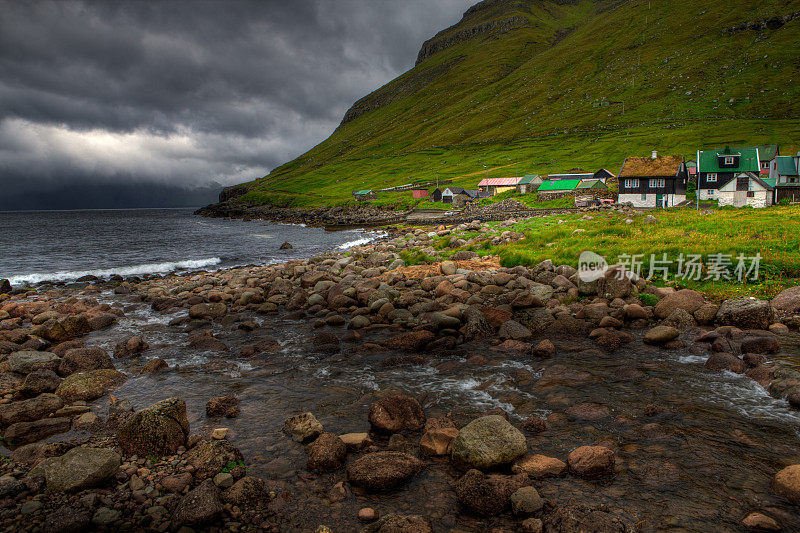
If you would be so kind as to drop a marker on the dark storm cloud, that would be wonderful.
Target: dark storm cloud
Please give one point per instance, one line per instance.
(189, 92)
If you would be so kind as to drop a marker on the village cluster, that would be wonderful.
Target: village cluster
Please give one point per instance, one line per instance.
(754, 176)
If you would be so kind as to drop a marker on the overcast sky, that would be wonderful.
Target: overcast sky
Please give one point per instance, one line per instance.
(186, 93)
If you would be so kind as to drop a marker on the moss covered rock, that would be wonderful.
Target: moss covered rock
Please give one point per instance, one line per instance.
(209, 458)
(90, 385)
(488, 442)
(156, 430)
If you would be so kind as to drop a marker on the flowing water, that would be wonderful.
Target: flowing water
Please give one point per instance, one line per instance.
(702, 464)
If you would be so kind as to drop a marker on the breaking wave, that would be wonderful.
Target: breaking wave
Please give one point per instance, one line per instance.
(134, 270)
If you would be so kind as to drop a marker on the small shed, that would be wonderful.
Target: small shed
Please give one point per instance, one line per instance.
(436, 195)
(529, 183)
(747, 189)
(595, 185)
(420, 193)
(364, 195)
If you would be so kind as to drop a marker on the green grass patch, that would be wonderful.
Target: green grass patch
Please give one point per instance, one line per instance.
(774, 233)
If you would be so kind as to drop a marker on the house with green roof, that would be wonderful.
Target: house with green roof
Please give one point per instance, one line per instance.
(529, 183)
(716, 168)
(364, 195)
(558, 186)
(786, 173)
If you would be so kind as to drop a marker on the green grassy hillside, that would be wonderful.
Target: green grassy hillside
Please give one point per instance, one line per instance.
(539, 86)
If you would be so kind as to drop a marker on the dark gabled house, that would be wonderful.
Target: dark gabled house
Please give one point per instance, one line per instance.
(715, 168)
(436, 195)
(449, 192)
(655, 181)
(603, 175)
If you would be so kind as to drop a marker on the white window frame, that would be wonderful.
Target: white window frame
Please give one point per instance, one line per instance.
(656, 183)
(711, 177)
(728, 159)
(631, 183)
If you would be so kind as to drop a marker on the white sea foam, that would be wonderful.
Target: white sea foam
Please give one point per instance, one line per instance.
(358, 242)
(133, 270)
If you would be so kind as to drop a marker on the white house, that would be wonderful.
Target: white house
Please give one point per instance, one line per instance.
(747, 189)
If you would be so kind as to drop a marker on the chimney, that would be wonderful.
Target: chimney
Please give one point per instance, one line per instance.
(654, 155)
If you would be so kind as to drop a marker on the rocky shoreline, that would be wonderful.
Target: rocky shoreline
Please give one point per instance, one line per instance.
(74, 466)
(354, 216)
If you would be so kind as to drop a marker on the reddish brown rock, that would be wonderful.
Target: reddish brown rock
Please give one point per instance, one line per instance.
(488, 494)
(396, 413)
(413, 341)
(539, 466)
(786, 483)
(327, 452)
(591, 461)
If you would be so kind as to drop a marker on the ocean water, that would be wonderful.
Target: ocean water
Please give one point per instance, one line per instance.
(65, 245)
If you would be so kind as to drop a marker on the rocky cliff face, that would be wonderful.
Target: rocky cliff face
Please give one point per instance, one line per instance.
(470, 27)
(440, 42)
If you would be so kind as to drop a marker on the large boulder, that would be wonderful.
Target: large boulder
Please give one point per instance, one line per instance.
(29, 410)
(396, 413)
(725, 361)
(156, 430)
(591, 461)
(685, 299)
(28, 432)
(488, 442)
(615, 283)
(327, 452)
(246, 491)
(200, 506)
(78, 469)
(787, 303)
(661, 335)
(488, 495)
(39, 381)
(787, 483)
(209, 458)
(745, 313)
(27, 361)
(83, 359)
(383, 470)
(476, 326)
(88, 386)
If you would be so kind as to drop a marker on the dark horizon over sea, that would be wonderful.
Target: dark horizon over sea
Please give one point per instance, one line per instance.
(64, 245)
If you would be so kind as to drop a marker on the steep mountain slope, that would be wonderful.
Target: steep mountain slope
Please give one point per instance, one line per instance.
(523, 86)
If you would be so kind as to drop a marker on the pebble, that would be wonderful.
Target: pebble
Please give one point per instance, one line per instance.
(219, 433)
(367, 514)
